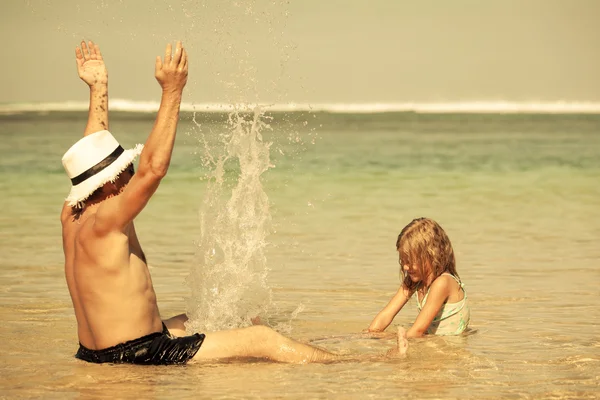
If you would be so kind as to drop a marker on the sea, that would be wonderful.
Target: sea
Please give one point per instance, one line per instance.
(291, 213)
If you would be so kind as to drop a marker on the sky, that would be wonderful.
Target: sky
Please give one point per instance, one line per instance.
(310, 51)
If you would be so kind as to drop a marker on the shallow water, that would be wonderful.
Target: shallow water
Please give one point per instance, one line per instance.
(517, 195)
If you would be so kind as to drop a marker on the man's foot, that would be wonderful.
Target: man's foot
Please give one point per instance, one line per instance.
(400, 350)
(402, 341)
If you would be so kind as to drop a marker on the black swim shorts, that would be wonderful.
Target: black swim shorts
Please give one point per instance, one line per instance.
(159, 348)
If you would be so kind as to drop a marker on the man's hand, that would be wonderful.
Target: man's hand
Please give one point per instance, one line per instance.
(172, 73)
(90, 65)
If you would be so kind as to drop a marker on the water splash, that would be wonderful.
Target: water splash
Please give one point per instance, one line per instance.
(229, 280)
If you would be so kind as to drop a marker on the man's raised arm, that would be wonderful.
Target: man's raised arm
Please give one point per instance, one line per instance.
(91, 70)
(172, 77)
(117, 212)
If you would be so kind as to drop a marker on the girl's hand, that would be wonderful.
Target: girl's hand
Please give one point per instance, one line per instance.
(386, 315)
(90, 65)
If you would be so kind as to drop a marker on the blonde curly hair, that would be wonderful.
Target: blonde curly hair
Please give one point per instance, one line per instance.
(424, 243)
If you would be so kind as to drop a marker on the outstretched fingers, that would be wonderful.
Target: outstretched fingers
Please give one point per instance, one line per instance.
(85, 51)
(158, 65)
(97, 51)
(183, 64)
(177, 56)
(168, 53)
(171, 72)
(78, 56)
(92, 50)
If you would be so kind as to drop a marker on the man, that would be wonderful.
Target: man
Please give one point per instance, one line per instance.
(115, 304)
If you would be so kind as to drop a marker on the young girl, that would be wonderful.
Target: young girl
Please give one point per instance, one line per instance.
(428, 268)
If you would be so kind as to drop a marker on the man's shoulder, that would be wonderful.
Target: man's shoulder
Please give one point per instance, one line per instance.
(66, 213)
(72, 223)
(88, 232)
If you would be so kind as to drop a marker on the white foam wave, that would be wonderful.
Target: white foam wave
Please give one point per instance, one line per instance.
(494, 107)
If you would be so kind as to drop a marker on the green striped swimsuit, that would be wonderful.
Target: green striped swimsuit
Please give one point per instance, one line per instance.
(453, 318)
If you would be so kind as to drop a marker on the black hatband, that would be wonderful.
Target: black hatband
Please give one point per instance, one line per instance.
(98, 167)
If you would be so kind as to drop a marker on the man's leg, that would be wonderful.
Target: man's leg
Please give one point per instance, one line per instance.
(259, 342)
(263, 342)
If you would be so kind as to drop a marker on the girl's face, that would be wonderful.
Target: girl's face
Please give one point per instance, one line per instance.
(411, 269)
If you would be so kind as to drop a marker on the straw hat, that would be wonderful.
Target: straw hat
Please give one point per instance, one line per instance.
(93, 161)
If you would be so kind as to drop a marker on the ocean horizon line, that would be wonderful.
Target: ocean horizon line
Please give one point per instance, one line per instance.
(475, 107)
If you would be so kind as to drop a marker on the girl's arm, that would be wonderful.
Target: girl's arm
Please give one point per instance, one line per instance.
(438, 294)
(385, 316)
